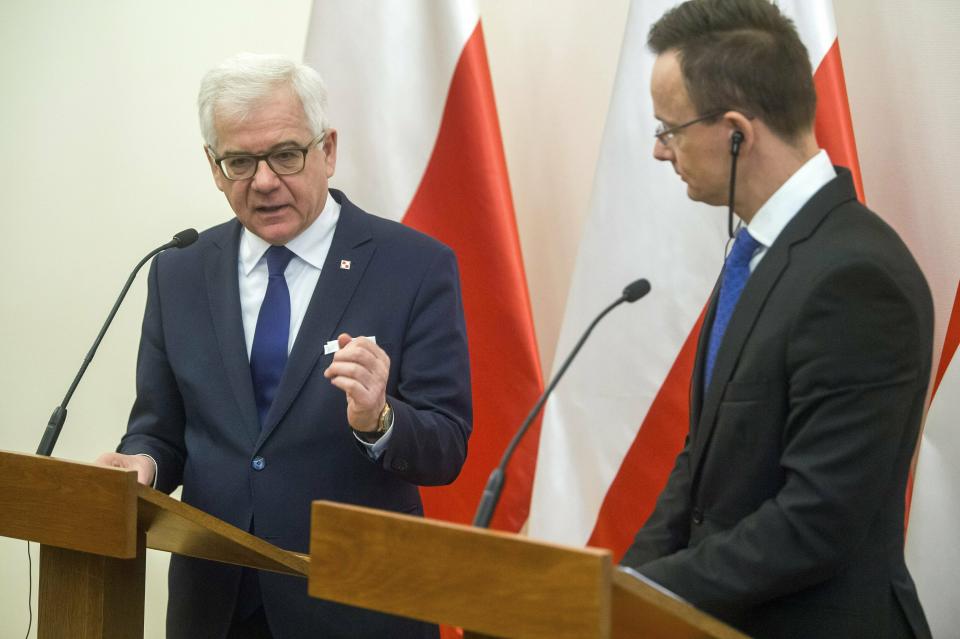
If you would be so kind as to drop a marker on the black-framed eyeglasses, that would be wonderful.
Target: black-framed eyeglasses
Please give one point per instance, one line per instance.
(286, 161)
(667, 135)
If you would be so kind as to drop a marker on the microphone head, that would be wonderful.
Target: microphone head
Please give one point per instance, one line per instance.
(635, 290)
(186, 237)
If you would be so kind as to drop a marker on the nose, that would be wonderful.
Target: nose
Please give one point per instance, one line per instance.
(264, 179)
(661, 151)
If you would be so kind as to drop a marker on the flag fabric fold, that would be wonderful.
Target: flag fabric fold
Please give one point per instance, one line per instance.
(619, 417)
(412, 98)
(614, 427)
(933, 554)
(419, 142)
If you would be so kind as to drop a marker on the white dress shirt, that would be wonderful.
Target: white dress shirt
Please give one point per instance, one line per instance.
(787, 201)
(310, 250)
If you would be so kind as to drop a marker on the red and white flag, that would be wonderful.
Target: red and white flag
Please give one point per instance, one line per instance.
(613, 428)
(419, 142)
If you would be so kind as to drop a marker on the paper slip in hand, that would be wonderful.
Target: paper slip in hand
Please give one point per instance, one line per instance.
(333, 346)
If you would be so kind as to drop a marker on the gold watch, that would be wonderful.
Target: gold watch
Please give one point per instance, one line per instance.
(385, 420)
(383, 425)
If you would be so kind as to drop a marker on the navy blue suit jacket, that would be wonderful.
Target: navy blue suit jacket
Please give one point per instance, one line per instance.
(195, 411)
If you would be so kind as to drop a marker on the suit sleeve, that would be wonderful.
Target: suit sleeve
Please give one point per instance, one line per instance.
(157, 417)
(857, 372)
(432, 403)
(667, 528)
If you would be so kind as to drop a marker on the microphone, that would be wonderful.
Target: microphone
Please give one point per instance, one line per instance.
(491, 493)
(183, 239)
(180, 240)
(631, 293)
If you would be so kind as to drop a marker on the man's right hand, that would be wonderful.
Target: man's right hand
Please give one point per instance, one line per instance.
(145, 467)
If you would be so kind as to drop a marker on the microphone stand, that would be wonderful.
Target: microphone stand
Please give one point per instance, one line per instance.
(59, 416)
(494, 487)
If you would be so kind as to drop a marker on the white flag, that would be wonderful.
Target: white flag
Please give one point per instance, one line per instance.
(419, 142)
(616, 423)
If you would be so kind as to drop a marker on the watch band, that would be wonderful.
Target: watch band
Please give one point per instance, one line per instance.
(384, 422)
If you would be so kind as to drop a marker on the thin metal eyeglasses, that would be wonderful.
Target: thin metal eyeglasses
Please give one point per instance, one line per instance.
(666, 136)
(286, 161)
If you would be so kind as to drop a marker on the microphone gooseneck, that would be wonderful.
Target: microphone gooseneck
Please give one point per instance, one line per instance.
(182, 239)
(491, 493)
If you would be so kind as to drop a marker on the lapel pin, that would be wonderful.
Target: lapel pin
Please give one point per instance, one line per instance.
(345, 265)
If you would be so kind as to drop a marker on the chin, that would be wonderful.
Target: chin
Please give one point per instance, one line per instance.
(706, 198)
(693, 194)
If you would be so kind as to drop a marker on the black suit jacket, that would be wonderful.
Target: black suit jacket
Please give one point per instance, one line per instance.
(195, 411)
(784, 513)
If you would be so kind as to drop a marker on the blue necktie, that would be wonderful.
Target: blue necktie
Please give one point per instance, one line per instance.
(736, 270)
(268, 356)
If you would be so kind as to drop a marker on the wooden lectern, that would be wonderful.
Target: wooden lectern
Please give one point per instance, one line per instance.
(93, 525)
(490, 583)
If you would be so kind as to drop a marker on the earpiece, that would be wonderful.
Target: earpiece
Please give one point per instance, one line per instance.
(735, 141)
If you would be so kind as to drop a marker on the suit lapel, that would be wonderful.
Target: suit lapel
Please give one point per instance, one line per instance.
(696, 380)
(223, 293)
(754, 296)
(351, 241)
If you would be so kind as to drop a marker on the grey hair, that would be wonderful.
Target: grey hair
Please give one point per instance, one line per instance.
(242, 81)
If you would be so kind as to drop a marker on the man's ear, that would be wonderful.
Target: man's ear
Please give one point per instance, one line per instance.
(329, 146)
(217, 175)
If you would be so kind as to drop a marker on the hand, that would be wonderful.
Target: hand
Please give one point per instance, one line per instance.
(146, 470)
(360, 369)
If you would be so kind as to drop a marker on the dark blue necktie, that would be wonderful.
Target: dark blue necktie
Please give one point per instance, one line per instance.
(268, 356)
(736, 270)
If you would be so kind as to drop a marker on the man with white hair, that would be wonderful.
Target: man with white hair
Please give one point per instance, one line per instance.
(305, 350)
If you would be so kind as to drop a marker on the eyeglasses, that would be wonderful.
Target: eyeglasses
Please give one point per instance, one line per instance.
(666, 136)
(282, 161)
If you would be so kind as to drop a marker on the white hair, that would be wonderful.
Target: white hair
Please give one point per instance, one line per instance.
(241, 82)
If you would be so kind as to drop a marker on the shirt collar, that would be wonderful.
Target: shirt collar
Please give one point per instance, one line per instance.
(787, 201)
(308, 246)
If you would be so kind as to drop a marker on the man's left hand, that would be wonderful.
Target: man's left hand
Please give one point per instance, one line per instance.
(360, 369)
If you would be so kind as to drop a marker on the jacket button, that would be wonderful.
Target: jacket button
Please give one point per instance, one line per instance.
(258, 463)
(400, 465)
(697, 516)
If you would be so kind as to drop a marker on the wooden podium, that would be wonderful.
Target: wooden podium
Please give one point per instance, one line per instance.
(93, 525)
(490, 583)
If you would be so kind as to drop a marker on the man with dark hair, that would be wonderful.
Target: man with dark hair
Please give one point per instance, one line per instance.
(784, 513)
